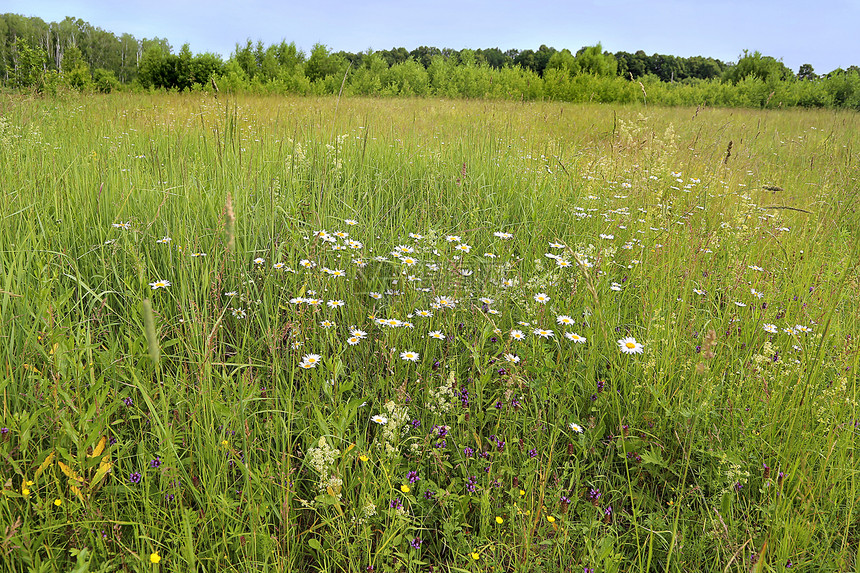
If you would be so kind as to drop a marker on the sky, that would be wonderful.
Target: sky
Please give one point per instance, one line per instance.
(825, 34)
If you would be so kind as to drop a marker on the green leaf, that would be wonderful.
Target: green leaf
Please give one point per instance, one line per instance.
(654, 458)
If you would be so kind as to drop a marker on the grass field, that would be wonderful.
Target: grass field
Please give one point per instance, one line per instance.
(273, 334)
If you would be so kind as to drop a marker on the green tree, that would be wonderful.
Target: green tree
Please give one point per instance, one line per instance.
(806, 72)
(592, 60)
(105, 81)
(757, 66)
(29, 65)
(322, 64)
(75, 71)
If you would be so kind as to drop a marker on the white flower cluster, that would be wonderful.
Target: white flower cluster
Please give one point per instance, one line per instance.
(444, 398)
(390, 435)
(322, 457)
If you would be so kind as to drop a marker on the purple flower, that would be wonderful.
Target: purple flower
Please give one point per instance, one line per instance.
(413, 477)
(395, 503)
(154, 463)
(468, 452)
(416, 423)
(533, 453)
(429, 494)
(472, 484)
(128, 401)
(416, 543)
(134, 478)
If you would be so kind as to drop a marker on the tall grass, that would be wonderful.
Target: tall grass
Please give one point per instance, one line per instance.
(183, 427)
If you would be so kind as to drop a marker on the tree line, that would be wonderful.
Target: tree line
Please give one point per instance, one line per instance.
(73, 54)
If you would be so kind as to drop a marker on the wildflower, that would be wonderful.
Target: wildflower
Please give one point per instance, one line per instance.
(755, 268)
(134, 477)
(379, 419)
(564, 319)
(409, 356)
(353, 340)
(154, 558)
(335, 303)
(259, 261)
(197, 254)
(58, 502)
(575, 427)
(375, 295)
(445, 302)
(475, 555)
(550, 518)
(415, 543)
(556, 245)
(327, 324)
(512, 358)
(629, 346)
(699, 291)
(239, 313)
(517, 335)
(350, 222)
(503, 235)
(424, 313)
(572, 336)
(310, 361)
(615, 286)
(453, 239)
(163, 240)
(363, 457)
(771, 328)
(358, 333)
(563, 263)
(543, 333)
(463, 247)
(159, 284)
(499, 519)
(541, 298)
(437, 334)
(740, 304)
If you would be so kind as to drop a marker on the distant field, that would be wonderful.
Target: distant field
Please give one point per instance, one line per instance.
(275, 334)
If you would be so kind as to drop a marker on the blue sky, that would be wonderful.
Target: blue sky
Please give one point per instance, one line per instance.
(824, 33)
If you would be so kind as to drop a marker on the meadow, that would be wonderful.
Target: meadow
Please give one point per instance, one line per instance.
(321, 334)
